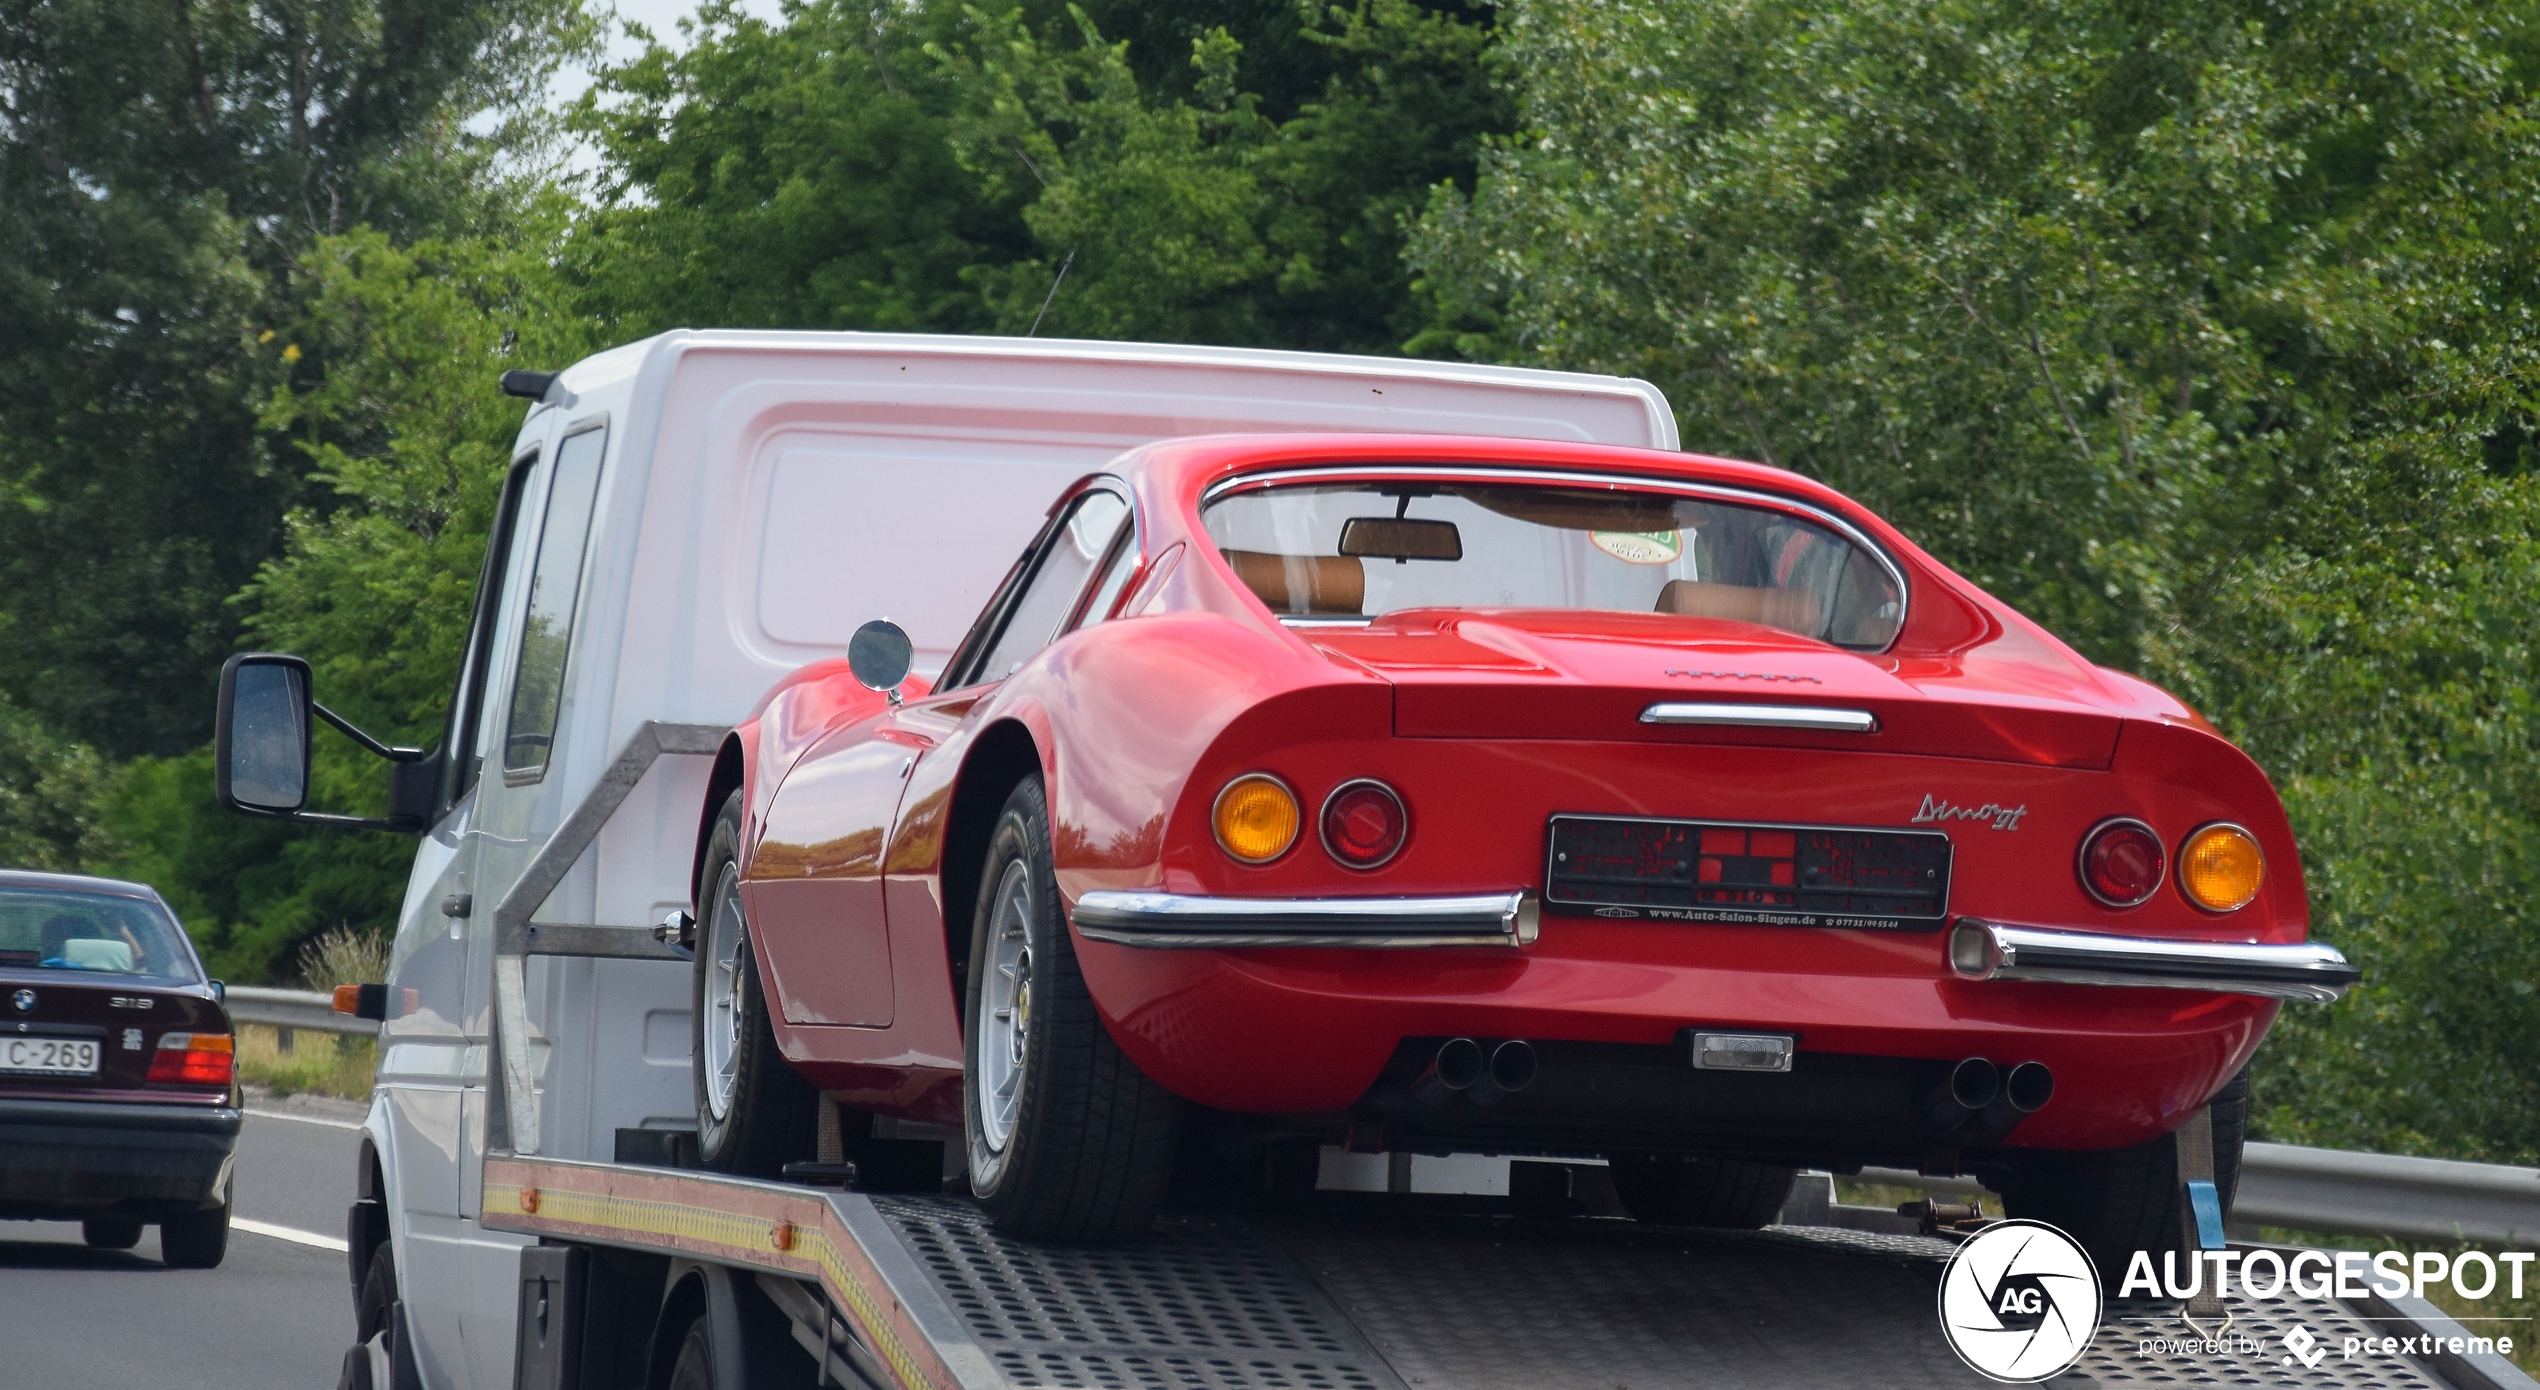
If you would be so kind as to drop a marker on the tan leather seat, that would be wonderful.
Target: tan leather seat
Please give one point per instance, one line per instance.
(1791, 610)
(1303, 585)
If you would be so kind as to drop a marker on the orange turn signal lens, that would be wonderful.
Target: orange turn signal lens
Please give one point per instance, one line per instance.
(1256, 818)
(2220, 868)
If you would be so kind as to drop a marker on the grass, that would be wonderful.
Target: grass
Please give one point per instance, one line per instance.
(317, 1063)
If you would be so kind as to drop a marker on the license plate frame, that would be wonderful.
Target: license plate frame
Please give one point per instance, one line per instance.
(1883, 878)
(39, 1054)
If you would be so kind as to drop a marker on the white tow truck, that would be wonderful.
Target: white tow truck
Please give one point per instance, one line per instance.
(686, 520)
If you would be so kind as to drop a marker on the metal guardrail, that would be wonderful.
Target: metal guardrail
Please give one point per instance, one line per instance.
(297, 1009)
(2356, 1194)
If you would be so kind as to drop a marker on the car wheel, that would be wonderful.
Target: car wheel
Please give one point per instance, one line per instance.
(2118, 1201)
(755, 1113)
(110, 1233)
(1068, 1140)
(1668, 1190)
(196, 1239)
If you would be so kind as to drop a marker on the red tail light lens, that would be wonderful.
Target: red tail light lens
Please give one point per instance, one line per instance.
(194, 1059)
(1364, 823)
(2122, 862)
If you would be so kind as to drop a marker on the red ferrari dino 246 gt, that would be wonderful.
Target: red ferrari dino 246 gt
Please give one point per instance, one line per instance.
(1456, 795)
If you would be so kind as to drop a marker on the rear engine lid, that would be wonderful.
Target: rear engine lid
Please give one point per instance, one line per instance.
(1560, 674)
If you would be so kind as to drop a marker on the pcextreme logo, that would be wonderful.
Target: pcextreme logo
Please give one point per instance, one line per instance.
(2019, 1302)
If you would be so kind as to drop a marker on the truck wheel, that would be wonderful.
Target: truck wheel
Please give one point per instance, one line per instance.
(110, 1233)
(694, 1370)
(1068, 1140)
(2118, 1201)
(754, 1112)
(196, 1239)
(1668, 1190)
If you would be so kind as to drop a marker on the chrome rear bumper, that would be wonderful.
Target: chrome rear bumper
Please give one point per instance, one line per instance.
(1175, 920)
(2311, 970)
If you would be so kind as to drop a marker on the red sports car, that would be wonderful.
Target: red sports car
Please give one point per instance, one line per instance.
(1456, 795)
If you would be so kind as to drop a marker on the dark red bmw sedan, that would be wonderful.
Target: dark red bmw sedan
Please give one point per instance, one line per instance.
(118, 1087)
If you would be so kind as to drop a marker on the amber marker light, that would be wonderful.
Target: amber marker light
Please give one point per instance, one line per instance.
(2220, 868)
(1256, 818)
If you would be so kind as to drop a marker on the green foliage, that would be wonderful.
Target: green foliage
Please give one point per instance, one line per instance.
(50, 793)
(2201, 331)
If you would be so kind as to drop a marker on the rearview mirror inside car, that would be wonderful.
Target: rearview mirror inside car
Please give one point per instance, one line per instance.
(261, 757)
(879, 655)
(1400, 538)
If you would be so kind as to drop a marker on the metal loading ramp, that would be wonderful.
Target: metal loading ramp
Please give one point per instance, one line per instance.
(1359, 1298)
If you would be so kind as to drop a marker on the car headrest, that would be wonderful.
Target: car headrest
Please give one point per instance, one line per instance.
(1791, 610)
(1303, 585)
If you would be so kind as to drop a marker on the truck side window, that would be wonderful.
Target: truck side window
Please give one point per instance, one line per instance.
(1068, 558)
(546, 631)
(460, 772)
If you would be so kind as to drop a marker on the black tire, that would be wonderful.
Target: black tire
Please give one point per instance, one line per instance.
(377, 1300)
(110, 1233)
(772, 1115)
(694, 1367)
(2118, 1201)
(196, 1239)
(1089, 1140)
(1668, 1190)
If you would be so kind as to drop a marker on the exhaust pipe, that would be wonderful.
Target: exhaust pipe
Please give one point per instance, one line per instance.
(2029, 1086)
(1457, 1066)
(1512, 1065)
(1974, 1083)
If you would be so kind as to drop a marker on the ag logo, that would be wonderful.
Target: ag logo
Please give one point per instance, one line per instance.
(2019, 1302)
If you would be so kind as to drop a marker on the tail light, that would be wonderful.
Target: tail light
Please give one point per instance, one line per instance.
(1256, 818)
(2220, 868)
(2121, 862)
(1364, 823)
(194, 1059)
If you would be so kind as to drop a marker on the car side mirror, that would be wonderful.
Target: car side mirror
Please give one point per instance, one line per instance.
(260, 749)
(260, 757)
(879, 654)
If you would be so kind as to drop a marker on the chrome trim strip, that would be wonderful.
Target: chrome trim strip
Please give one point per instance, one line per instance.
(2309, 970)
(1184, 921)
(1492, 473)
(1810, 717)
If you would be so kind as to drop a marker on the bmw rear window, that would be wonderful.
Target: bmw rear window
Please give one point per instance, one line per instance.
(91, 933)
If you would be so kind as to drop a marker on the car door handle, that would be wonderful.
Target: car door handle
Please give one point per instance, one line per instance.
(457, 905)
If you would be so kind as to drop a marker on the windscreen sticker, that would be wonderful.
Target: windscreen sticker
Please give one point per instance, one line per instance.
(1640, 547)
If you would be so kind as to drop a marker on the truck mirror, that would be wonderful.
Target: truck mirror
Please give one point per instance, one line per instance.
(261, 753)
(879, 655)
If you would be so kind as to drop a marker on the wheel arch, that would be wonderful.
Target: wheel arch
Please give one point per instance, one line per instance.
(1004, 754)
(731, 773)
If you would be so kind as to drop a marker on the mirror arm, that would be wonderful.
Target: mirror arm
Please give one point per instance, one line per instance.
(392, 754)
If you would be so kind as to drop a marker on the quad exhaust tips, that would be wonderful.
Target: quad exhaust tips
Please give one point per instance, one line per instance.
(1982, 1099)
(1974, 1083)
(2028, 1087)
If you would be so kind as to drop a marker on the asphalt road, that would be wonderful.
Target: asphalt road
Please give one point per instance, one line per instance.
(276, 1315)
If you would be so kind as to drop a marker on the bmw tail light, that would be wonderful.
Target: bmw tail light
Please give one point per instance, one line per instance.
(1256, 818)
(1364, 823)
(2220, 868)
(2121, 862)
(194, 1059)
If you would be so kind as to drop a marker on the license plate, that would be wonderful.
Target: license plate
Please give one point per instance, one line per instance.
(1725, 871)
(48, 1056)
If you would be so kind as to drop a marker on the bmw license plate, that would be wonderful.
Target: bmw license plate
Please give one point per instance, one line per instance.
(1776, 875)
(23, 1056)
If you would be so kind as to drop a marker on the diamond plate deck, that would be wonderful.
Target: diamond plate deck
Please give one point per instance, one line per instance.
(1320, 1301)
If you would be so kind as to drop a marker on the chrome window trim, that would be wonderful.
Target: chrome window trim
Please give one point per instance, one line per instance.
(1179, 921)
(2308, 970)
(1487, 473)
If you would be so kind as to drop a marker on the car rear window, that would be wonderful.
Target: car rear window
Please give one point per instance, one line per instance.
(1358, 550)
(100, 933)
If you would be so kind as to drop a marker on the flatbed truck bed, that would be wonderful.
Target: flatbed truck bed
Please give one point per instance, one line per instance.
(1330, 1291)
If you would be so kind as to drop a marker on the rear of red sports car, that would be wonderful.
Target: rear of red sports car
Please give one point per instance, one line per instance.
(1683, 814)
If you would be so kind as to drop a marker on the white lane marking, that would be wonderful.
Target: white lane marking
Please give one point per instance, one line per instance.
(260, 1228)
(304, 1119)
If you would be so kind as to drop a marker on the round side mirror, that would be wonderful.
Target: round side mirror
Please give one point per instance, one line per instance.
(879, 654)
